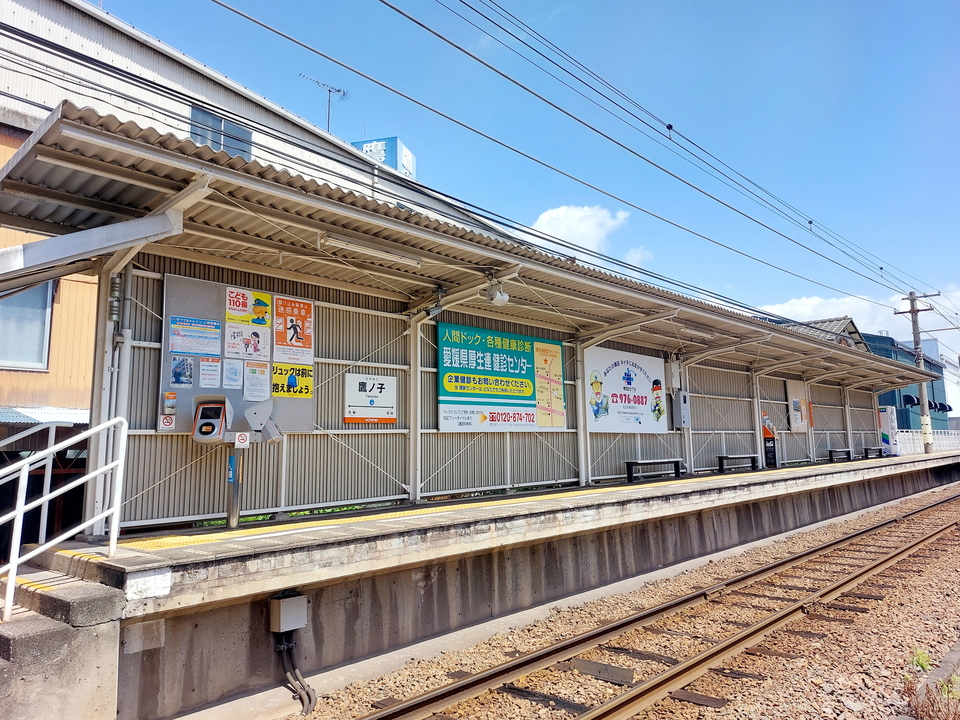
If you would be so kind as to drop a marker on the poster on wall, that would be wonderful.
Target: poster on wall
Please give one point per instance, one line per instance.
(292, 331)
(248, 307)
(624, 392)
(292, 381)
(246, 341)
(256, 381)
(370, 399)
(495, 381)
(193, 336)
(798, 410)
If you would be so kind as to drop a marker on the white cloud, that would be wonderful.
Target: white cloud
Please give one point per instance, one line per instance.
(586, 227)
(872, 318)
(638, 256)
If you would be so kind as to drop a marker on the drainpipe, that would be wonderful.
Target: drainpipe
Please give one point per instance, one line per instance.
(122, 340)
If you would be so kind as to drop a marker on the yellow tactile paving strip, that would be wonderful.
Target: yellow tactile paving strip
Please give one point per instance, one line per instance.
(178, 541)
(36, 586)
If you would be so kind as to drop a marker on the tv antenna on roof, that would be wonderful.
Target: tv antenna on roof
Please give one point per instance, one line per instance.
(331, 91)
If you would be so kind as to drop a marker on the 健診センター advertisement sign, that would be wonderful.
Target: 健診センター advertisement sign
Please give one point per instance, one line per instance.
(624, 392)
(496, 381)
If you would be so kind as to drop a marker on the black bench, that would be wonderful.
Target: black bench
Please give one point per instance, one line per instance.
(842, 452)
(632, 466)
(723, 459)
(868, 450)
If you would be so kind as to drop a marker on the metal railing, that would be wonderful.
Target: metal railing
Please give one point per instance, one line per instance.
(51, 428)
(112, 474)
(911, 443)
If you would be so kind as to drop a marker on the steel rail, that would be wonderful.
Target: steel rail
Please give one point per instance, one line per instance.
(650, 691)
(432, 702)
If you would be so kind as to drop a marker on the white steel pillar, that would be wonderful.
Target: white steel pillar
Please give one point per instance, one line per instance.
(687, 432)
(757, 415)
(848, 426)
(414, 410)
(583, 434)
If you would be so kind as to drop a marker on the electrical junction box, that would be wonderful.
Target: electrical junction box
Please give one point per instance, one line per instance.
(289, 613)
(681, 409)
(672, 369)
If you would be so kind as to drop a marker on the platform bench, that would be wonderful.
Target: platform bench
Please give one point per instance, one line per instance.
(632, 466)
(722, 461)
(878, 451)
(842, 452)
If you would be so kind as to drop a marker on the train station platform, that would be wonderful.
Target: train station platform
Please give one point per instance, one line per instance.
(194, 625)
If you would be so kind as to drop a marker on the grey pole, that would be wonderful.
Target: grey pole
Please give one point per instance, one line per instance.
(234, 480)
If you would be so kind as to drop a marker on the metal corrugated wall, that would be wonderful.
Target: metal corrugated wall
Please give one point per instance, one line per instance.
(863, 420)
(829, 419)
(172, 478)
(791, 447)
(721, 413)
(325, 469)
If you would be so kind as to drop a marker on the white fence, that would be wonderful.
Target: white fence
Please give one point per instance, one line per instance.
(943, 440)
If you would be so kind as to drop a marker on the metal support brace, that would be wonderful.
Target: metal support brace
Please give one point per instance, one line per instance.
(694, 358)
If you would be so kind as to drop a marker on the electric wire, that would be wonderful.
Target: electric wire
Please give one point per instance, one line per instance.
(715, 297)
(705, 166)
(527, 29)
(619, 144)
(543, 163)
(696, 291)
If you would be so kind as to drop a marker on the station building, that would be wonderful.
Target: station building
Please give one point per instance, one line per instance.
(371, 340)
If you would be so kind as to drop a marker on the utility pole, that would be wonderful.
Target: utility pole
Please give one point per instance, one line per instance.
(926, 429)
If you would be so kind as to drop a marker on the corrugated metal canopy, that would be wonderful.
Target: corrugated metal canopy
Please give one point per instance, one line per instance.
(81, 170)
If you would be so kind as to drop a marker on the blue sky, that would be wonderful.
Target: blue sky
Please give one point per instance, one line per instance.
(849, 111)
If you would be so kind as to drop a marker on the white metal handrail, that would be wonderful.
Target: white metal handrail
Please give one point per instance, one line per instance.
(112, 469)
(47, 460)
(911, 441)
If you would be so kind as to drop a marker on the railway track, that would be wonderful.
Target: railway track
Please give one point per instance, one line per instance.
(633, 661)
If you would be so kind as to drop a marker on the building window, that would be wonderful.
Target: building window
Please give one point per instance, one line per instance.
(220, 134)
(25, 327)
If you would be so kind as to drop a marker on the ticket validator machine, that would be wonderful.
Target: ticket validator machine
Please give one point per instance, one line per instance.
(213, 423)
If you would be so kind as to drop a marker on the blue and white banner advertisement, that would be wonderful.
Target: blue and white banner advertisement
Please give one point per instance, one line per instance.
(624, 392)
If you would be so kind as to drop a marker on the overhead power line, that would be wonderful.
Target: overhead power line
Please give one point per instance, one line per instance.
(618, 143)
(536, 160)
(856, 253)
(57, 76)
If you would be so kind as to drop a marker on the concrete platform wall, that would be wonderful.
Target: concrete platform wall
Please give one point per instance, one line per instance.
(176, 662)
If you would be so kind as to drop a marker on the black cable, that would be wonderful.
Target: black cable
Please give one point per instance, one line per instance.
(523, 27)
(714, 297)
(616, 142)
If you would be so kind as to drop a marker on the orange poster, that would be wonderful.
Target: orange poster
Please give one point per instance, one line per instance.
(292, 331)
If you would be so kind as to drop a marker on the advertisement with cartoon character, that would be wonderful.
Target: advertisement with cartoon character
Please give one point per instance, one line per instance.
(625, 392)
